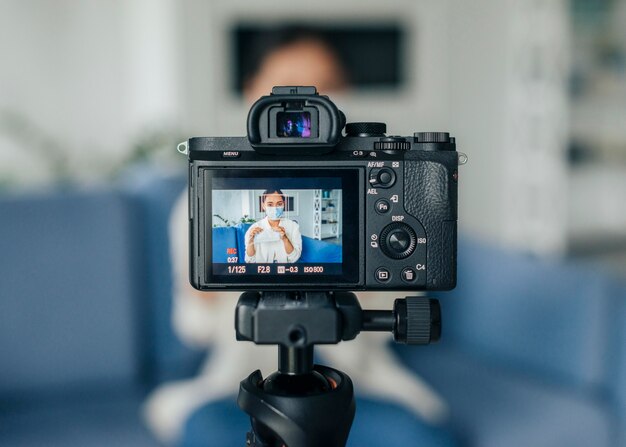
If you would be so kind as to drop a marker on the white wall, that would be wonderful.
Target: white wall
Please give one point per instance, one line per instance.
(232, 205)
(508, 108)
(88, 75)
(471, 71)
(304, 214)
(93, 75)
(422, 104)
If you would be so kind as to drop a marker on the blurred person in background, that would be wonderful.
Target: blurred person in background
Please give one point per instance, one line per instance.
(192, 412)
(294, 56)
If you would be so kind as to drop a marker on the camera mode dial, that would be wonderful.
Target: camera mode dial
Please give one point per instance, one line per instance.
(398, 240)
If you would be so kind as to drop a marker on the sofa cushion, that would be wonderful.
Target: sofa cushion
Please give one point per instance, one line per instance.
(224, 238)
(494, 407)
(241, 236)
(319, 251)
(69, 278)
(618, 371)
(153, 195)
(543, 316)
(101, 418)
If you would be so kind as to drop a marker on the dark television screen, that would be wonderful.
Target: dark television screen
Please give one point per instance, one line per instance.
(372, 55)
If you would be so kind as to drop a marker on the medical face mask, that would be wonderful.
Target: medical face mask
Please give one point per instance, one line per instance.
(274, 212)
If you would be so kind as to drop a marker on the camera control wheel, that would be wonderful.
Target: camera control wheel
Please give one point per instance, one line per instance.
(382, 178)
(398, 240)
(367, 129)
(432, 137)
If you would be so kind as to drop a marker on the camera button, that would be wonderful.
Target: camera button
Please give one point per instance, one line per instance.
(358, 154)
(382, 206)
(231, 154)
(385, 177)
(409, 275)
(382, 178)
(383, 275)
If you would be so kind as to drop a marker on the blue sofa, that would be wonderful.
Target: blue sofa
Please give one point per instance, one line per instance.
(313, 250)
(533, 352)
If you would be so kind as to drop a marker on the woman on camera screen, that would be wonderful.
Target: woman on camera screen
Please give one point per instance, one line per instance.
(273, 238)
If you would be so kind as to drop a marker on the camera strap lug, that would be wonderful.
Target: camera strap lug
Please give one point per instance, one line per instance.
(462, 158)
(183, 147)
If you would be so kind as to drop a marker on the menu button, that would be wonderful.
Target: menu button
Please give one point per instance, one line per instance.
(231, 154)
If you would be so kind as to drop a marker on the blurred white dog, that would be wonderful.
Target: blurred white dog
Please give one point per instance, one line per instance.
(206, 319)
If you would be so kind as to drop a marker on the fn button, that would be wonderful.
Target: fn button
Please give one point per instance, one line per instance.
(382, 206)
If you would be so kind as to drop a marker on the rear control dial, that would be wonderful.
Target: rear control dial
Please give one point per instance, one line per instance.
(398, 240)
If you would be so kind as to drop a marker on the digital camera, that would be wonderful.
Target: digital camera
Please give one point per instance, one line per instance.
(298, 205)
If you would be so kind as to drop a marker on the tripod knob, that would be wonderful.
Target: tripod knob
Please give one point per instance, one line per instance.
(418, 320)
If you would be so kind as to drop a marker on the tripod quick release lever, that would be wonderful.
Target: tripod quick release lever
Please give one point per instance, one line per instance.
(413, 320)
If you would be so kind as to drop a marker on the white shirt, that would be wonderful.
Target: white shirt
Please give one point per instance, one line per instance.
(274, 251)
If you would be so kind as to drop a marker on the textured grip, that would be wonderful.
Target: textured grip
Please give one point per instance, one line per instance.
(431, 197)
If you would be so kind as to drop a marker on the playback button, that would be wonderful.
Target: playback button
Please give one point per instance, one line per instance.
(382, 275)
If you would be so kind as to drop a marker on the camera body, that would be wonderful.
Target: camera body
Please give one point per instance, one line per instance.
(360, 211)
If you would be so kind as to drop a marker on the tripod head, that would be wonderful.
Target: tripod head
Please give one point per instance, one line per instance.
(302, 404)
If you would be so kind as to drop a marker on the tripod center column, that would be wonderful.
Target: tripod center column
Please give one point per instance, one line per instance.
(295, 360)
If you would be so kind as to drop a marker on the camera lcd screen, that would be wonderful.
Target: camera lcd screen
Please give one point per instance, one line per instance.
(293, 124)
(291, 226)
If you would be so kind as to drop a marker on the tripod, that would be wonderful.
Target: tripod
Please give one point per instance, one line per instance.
(307, 405)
